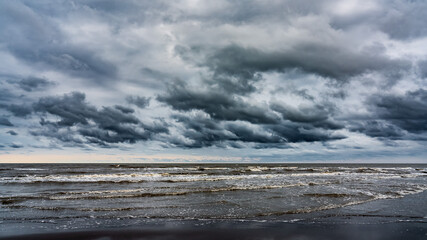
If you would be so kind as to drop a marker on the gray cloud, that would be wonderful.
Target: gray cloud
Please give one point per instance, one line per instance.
(5, 122)
(395, 117)
(408, 112)
(31, 37)
(422, 66)
(19, 110)
(73, 61)
(200, 131)
(72, 109)
(405, 19)
(318, 115)
(331, 61)
(224, 74)
(292, 132)
(246, 133)
(123, 109)
(6, 95)
(11, 132)
(231, 121)
(33, 83)
(203, 131)
(378, 129)
(82, 123)
(218, 105)
(141, 102)
(399, 19)
(16, 145)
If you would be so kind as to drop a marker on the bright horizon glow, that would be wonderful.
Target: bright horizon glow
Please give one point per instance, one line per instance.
(178, 159)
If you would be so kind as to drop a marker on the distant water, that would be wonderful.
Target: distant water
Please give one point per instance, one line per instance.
(76, 196)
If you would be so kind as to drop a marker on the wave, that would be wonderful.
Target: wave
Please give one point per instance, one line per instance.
(92, 178)
(131, 177)
(96, 209)
(359, 197)
(16, 199)
(137, 194)
(329, 195)
(29, 169)
(251, 168)
(142, 192)
(372, 197)
(314, 209)
(173, 177)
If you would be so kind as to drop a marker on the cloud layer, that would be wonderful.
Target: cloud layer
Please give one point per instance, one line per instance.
(253, 78)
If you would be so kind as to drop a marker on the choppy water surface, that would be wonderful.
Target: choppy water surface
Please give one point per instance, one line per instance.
(246, 192)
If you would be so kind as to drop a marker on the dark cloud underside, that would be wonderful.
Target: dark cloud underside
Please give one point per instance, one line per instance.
(82, 123)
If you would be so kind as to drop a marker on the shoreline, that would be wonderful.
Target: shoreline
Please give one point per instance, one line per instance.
(399, 218)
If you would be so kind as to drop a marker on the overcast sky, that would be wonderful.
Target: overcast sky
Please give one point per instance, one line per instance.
(242, 81)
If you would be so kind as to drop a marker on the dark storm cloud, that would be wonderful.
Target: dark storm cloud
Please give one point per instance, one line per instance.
(218, 105)
(11, 132)
(298, 125)
(33, 84)
(141, 102)
(327, 60)
(201, 130)
(247, 133)
(236, 69)
(82, 123)
(304, 94)
(395, 117)
(378, 129)
(18, 110)
(5, 122)
(408, 112)
(67, 136)
(71, 109)
(124, 109)
(231, 120)
(317, 115)
(229, 76)
(293, 133)
(16, 145)
(204, 131)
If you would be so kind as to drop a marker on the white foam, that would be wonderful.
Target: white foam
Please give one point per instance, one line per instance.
(29, 169)
(192, 177)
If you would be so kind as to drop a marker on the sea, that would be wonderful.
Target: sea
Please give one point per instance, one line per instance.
(43, 198)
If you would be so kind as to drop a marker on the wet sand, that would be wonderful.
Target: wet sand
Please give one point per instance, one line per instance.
(287, 231)
(402, 218)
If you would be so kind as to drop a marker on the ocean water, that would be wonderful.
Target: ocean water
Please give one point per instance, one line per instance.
(52, 197)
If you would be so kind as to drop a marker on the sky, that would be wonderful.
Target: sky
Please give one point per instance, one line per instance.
(213, 81)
